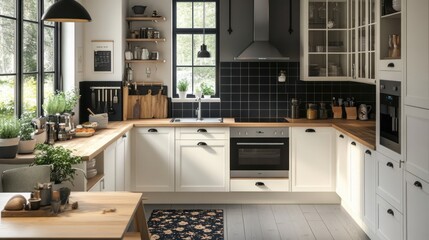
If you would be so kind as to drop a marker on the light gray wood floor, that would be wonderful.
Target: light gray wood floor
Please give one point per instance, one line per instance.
(271, 222)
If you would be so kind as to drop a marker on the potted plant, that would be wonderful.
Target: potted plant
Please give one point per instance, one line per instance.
(207, 90)
(9, 137)
(182, 86)
(26, 143)
(71, 100)
(54, 104)
(61, 160)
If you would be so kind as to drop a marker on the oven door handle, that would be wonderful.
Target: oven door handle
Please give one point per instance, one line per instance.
(259, 144)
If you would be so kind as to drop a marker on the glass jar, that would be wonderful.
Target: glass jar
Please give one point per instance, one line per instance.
(312, 111)
(62, 134)
(323, 113)
(156, 34)
(150, 32)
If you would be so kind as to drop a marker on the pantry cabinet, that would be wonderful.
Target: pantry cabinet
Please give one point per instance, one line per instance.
(153, 160)
(202, 159)
(313, 162)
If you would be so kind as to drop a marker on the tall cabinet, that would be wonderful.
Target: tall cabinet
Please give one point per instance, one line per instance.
(338, 40)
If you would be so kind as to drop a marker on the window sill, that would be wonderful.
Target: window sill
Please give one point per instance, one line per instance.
(194, 100)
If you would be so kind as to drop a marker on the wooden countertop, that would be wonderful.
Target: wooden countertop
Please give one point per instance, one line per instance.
(88, 148)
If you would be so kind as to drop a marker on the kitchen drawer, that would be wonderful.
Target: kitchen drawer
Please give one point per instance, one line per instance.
(259, 185)
(391, 65)
(389, 221)
(389, 181)
(417, 192)
(202, 133)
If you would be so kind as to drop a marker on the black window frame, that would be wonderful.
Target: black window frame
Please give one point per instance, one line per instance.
(195, 31)
(19, 72)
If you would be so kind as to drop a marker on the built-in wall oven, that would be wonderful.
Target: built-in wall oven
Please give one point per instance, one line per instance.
(390, 115)
(259, 152)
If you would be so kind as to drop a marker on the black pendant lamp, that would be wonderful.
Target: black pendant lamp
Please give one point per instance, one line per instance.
(203, 53)
(66, 11)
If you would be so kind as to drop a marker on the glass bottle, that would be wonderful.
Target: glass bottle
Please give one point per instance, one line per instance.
(323, 113)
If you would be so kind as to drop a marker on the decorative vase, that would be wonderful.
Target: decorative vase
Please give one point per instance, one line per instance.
(26, 146)
(396, 4)
(8, 147)
(182, 95)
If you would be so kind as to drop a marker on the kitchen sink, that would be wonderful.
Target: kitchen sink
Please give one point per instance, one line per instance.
(195, 120)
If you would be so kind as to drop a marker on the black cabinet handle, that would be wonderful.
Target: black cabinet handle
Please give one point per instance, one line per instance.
(389, 164)
(259, 184)
(202, 144)
(201, 130)
(353, 143)
(341, 136)
(390, 211)
(310, 130)
(368, 152)
(124, 136)
(152, 130)
(418, 184)
(391, 65)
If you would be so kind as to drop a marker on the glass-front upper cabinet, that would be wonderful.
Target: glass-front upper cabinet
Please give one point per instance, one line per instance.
(390, 29)
(338, 40)
(326, 49)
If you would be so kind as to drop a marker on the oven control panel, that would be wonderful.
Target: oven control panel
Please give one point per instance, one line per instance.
(259, 132)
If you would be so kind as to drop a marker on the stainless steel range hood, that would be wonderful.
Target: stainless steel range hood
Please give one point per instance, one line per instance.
(261, 48)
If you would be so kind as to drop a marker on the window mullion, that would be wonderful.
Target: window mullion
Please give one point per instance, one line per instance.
(40, 62)
(19, 58)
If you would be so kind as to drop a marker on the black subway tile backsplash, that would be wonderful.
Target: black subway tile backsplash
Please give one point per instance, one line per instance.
(251, 89)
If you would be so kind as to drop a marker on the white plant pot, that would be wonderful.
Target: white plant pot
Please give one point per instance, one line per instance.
(198, 94)
(41, 137)
(207, 96)
(8, 147)
(26, 146)
(182, 95)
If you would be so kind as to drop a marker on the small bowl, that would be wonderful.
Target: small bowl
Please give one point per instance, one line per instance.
(138, 9)
(34, 203)
(90, 164)
(90, 173)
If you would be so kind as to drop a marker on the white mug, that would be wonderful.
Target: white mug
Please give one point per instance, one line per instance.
(145, 54)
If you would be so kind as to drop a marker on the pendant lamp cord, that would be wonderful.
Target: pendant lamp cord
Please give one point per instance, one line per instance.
(204, 22)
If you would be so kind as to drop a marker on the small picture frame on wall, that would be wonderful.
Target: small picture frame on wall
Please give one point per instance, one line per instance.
(103, 56)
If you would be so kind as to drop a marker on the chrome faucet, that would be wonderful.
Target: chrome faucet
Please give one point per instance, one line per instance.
(198, 111)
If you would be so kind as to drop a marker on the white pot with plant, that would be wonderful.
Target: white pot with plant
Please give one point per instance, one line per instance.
(61, 102)
(9, 137)
(26, 143)
(182, 86)
(207, 90)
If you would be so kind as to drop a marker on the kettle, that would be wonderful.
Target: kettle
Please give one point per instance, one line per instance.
(364, 111)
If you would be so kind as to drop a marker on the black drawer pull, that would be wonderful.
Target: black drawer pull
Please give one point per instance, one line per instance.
(353, 143)
(390, 211)
(124, 136)
(152, 130)
(418, 184)
(391, 65)
(341, 136)
(310, 130)
(202, 144)
(201, 130)
(259, 184)
(368, 152)
(389, 164)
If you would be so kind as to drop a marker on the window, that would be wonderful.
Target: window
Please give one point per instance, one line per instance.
(29, 56)
(187, 38)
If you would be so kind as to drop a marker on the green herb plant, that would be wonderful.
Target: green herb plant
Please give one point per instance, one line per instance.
(72, 99)
(26, 128)
(207, 89)
(61, 160)
(183, 85)
(9, 128)
(61, 102)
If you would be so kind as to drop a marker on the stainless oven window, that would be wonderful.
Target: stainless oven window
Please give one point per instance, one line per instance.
(259, 156)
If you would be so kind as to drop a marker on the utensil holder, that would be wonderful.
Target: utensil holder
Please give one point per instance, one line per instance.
(102, 119)
(351, 113)
(337, 112)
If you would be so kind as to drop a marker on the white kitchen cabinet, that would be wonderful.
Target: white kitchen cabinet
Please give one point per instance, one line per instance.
(389, 181)
(343, 167)
(313, 163)
(356, 177)
(369, 216)
(417, 194)
(122, 159)
(152, 167)
(259, 185)
(98, 187)
(416, 141)
(109, 167)
(390, 221)
(417, 54)
(202, 165)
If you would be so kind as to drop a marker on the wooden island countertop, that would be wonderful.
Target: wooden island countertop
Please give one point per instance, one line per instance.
(89, 147)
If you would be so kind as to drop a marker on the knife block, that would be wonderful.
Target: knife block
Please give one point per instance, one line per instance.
(351, 113)
(337, 112)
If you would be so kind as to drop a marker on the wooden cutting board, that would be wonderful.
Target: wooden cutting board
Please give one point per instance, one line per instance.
(133, 107)
(146, 105)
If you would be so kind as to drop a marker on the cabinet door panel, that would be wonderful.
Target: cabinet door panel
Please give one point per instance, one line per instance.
(202, 165)
(120, 164)
(109, 168)
(153, 165)
(369, 189)
(417, 208)
(356, 177)
(343, 171)
(389, 181)
(313, 166)
(390, 221)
